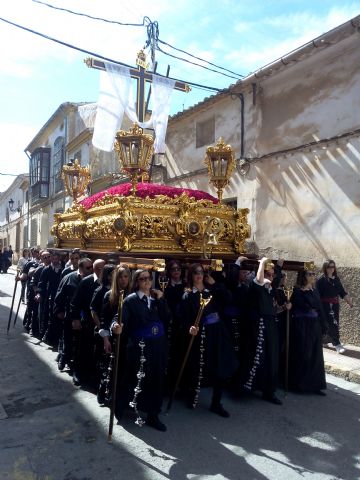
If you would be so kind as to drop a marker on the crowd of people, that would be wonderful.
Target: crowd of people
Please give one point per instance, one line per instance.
(235, 320)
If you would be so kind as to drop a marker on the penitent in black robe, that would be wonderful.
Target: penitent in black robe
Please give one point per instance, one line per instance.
(138, 320)
(218, 356)
(306, 367)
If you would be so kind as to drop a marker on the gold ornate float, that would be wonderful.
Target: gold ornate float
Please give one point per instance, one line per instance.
(154, 220)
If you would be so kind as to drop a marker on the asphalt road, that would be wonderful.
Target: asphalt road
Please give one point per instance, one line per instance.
(51, 430)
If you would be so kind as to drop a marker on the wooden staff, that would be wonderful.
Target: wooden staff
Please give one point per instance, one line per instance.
(203, 303)
(17, 312)
(12, 302)
(288, 292)
(115, 368)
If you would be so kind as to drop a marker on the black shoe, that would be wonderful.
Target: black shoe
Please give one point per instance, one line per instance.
(153, 421)
(76, 380)
(272, 399)
(219, 410)
(321, 393)
(61, 364)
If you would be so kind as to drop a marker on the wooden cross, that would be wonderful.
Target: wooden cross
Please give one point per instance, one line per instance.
(142, 77)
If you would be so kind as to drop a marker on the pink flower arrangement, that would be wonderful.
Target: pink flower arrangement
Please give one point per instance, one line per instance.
(146, 190)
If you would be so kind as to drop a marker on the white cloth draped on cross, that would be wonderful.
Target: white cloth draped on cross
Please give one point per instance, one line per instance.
(116, 99)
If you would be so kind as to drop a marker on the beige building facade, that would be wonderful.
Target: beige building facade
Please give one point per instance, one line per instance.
(298, 154)
(64, 137)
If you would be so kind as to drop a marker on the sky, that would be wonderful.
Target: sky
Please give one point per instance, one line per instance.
(37, 75)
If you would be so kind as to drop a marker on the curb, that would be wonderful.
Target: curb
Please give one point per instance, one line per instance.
(343, 372)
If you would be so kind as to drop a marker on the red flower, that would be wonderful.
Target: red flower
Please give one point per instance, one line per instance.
(146, 190)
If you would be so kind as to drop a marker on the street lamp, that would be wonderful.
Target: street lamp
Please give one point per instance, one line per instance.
(221, 163)
(135, 150)
(11, 206)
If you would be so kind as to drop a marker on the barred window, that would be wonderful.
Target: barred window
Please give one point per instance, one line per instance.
(39, 174)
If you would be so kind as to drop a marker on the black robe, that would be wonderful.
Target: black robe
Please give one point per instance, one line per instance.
(138, 320)
(218, 356)
(306, 361)
(175, 334)
(330, 289)
(264, 358)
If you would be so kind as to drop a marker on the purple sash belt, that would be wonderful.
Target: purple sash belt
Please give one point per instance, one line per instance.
(305, 313)
(153, 330)
(232, 311)
(211, 318)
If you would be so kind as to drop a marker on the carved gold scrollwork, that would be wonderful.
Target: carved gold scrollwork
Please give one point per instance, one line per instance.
(242, 229)
(160, 224)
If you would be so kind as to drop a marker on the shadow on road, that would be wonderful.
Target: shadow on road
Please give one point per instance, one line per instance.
(57, 431)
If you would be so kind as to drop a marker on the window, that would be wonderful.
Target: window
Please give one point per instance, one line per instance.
(39, 174)
(205, 132)
(58, 162)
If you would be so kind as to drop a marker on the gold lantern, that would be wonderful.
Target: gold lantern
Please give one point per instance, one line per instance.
(221, 163)
(76, 179)
(135, 150)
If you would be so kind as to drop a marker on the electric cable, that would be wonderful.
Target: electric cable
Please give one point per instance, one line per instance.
(198, 58)
(90, 16)
(97, 55)
(193, 63)
(152, 27)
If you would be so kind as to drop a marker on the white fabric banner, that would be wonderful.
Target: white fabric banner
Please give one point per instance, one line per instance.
(114, 92)
(162, 89)
(116, 98)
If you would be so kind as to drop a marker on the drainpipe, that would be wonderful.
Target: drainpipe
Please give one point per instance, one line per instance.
(240, 96)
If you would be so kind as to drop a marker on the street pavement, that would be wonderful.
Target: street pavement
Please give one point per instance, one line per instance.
(51, 430)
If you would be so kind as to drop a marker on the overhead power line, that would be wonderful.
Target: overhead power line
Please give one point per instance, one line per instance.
(198, 58)
(153, 31)
(90, 16)
(97, 55)
(193, 63)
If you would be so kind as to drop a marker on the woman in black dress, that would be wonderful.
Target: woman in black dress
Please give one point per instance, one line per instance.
(120, 280)
(174, 292)
(144, 317)
(330, 290)
(212, 359)
(306, 365)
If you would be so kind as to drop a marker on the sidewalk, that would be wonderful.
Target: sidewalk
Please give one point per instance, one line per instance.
(346, 366)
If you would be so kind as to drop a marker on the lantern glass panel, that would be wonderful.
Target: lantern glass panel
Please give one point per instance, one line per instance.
(224, 166)
(124, 153)
(134, 153)
(215, 166)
